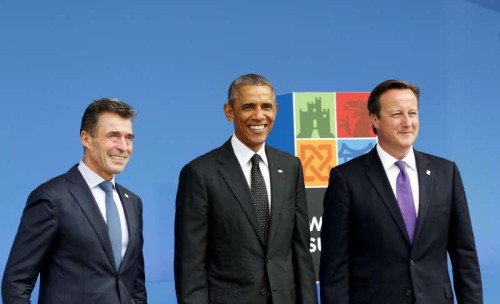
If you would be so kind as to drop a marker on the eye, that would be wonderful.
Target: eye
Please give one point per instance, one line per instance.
(247, 106)
(396, 115)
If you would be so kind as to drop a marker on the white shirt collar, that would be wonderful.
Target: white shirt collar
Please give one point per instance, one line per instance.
(93, 179)
(389, 160)
(244, 153)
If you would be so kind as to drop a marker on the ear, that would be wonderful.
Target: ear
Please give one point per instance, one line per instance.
(375, 121)
(85, 139)
(228, 111)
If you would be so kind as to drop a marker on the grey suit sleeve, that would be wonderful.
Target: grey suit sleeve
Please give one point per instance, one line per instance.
(335, 231)
(462, 248)
(191, 233)
(32, 242)
(305, 278)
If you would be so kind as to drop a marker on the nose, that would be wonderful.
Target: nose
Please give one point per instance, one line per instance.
(406, 121)
(121, 143)
(258, 113)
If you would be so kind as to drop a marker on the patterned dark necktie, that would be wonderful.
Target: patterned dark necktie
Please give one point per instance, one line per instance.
(404, 196)
(113, 219)
(259, 195)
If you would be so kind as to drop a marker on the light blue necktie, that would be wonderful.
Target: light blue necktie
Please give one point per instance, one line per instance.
(113, 219)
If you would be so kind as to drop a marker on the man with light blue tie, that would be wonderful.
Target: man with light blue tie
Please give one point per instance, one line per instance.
(393, 215)
(81, 231)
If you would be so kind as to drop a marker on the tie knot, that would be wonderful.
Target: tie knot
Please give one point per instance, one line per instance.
(401, 165)
(106, 186)
(255, 159)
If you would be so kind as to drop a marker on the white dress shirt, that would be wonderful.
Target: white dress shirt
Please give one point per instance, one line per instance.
(244, 155)
(392, 171)
(93, 180)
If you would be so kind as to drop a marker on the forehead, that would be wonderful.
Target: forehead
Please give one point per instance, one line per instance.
(255, 91)
(398, 98)
(108, 121)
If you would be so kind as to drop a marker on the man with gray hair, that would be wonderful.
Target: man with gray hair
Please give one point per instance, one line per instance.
(81, 231)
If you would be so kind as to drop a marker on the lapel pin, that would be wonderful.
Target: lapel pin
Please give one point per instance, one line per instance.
(280, 171)
(126, 195)
(428, 172)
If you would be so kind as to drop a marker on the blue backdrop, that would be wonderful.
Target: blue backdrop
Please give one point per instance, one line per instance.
(173, 61)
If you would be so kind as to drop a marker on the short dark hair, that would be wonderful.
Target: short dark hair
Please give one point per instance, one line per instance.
(244, 80)
(97, 107)
(380, 89)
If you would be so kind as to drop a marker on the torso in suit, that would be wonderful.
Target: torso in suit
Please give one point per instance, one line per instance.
(366, 253)
(220, 254)
(63, 236)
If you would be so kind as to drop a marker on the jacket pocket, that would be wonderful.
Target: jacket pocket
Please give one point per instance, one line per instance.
(362, 272)
(222, 296)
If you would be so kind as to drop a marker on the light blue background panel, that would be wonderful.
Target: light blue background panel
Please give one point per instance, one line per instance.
(173, 60)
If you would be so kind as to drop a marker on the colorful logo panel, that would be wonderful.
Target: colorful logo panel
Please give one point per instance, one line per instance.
(314, 115)
(330, 129)
(318, 158)
(352, 115)
(349, 148)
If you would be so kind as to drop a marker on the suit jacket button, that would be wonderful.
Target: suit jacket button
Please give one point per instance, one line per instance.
(263, 291)
(268, 260)
(412, 263)
(408, 293)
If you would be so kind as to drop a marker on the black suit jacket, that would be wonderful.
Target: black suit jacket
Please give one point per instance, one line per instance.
(220, 255)
(63, 237)
(367, 256)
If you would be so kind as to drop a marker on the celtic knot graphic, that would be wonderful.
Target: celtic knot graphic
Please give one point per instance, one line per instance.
(317, 161)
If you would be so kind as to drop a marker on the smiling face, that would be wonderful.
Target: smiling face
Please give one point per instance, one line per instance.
(107, 153)
(253, 113)
(397, 124)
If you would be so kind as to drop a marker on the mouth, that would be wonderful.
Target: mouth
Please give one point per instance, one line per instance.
(118, 157)
(257, 127)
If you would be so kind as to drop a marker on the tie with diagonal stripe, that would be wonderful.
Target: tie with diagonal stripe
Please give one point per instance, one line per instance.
(113, 220)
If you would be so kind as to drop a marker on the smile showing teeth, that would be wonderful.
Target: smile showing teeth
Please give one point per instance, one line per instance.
(116, 157)
(259, 127)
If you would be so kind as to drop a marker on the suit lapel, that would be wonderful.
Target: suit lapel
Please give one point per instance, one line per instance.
(83, 196)
(425, 182)
(276, 189)
(377, 176)
(230, 170)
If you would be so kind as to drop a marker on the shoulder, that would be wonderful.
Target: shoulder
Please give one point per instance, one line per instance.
(356, 163)
(276, 156)
(205, 159)
(433, 160)
(56, 185)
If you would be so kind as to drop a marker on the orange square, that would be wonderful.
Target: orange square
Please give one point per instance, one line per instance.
(318, 158)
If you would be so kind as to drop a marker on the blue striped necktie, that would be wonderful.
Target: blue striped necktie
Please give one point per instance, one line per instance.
(114, 225)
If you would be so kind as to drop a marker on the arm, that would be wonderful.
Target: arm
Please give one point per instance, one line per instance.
(462, 248)
(335, 230)
(140, 295)
(305, 277)
(34, 237)
(191, 233)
